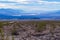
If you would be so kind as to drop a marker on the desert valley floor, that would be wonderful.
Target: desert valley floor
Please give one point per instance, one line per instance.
(30, 30)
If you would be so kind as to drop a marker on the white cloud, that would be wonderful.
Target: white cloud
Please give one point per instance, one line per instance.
(47, 2)
(33, 6)
(20, 1)
(9, 6)
(36, 5)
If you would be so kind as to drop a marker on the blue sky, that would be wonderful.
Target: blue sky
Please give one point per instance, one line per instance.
(31, 5)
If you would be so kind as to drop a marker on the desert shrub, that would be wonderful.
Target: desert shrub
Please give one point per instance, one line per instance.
(41, 26)
(14, 32)
(1, 24)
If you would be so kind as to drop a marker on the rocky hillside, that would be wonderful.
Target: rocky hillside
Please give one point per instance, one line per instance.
(29, 30)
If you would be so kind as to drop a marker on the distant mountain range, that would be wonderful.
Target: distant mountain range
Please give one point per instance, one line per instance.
(9, 14)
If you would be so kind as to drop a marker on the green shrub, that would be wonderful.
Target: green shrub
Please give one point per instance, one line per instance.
(41, 26)
(1, 24)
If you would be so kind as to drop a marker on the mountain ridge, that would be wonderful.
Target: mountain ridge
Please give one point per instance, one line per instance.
(8, 14)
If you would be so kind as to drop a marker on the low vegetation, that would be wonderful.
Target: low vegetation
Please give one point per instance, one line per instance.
(39, 26)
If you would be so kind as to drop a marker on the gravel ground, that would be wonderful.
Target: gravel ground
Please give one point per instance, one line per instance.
(28, 32)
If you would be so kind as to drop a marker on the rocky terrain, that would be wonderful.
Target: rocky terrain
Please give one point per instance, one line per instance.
(30, 30)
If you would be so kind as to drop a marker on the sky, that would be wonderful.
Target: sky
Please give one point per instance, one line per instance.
(31, 5)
